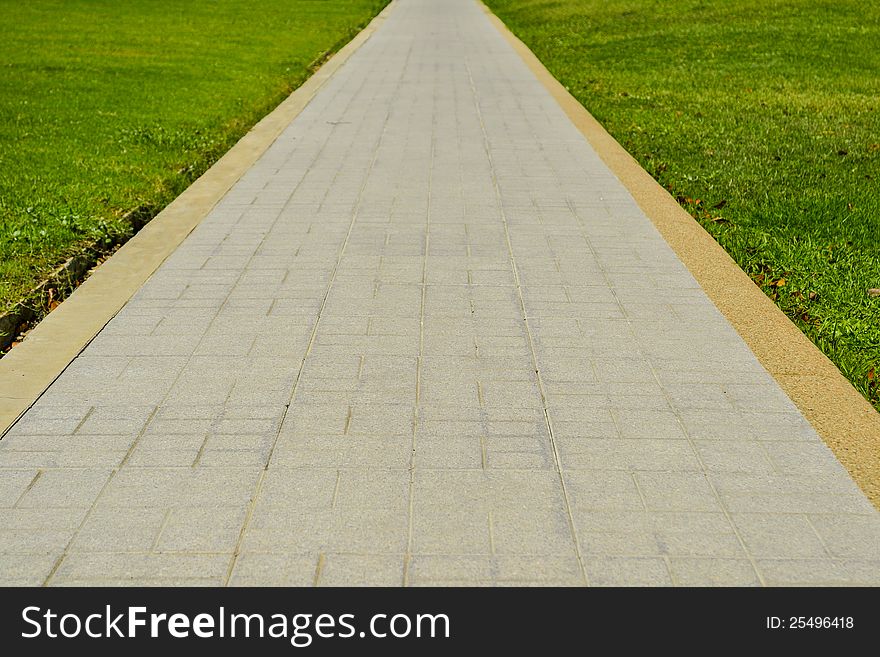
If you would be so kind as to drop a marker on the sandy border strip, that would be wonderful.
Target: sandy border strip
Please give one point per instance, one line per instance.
(32, 366)
(847, 423)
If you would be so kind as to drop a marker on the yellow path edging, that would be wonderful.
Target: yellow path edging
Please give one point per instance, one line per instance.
(31, 367)
(844, 419)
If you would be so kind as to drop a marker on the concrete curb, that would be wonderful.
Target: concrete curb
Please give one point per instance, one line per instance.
(30, 368)
(844, 419)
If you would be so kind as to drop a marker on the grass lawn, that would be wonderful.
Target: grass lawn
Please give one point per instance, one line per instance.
(108, 106)
(763, 119)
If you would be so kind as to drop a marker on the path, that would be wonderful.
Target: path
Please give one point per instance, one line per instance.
(427, 339)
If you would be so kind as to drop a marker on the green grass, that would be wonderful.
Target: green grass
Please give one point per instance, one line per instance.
(763, 118)
(109, 106)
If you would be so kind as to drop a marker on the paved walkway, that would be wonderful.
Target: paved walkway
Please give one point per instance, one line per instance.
(427, 339)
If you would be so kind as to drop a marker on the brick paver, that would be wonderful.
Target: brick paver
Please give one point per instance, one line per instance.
(429, 338)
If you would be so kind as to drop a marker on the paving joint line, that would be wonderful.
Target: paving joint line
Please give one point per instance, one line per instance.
(407, 557)
(515, 271)
(314, 332)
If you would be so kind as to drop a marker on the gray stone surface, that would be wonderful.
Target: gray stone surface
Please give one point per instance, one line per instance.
(428, 338)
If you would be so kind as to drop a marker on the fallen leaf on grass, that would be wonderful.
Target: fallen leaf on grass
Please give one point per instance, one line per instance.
(874, 292)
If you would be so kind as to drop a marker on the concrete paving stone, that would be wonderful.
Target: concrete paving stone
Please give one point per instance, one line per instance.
(119, 530)
(40, 425)
(450, 428)
(691, 396)
(519, 460)
(778, 426)
(722, 544)
(652, 522)
(372, 490)
(26, 569)
(247, 426)
(453, 452)
(244, 392)
(116, 420)
(201, 530)
(848, 535)
(627, 454)
(103, 367)
(175, 411)
(786, 483)
(519, 570)
(677, 491)
(602, 491)
(65, 449)
(90, 567)
(225, 344)
(531, 532)
(784, 502)
(361, 570)
(33, 541)
(192, 389)
(633, 544)
(769, 397)
(353, 394)
(627, 571)
(385, 419)
(819, 572)
(232, 458)
(779, 535)
(299, 488)
(265, 411)
(14, 483)
(734, 457)
(138, 487)
(568, 373)
(575, 310)
(58, 519)
(339, 451)
(153, 368)
(368, 531)
(657, 423)
(802, 458)
(65, 488)
(509, 393)
(577, 432)
(178, 426)
(302, 419)
(505, 418)
(451, 530)
(144, 345)
(232, 442)
(284, 529)
(712, 572)
(715, 425)
(646, 397)
(180, 487)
